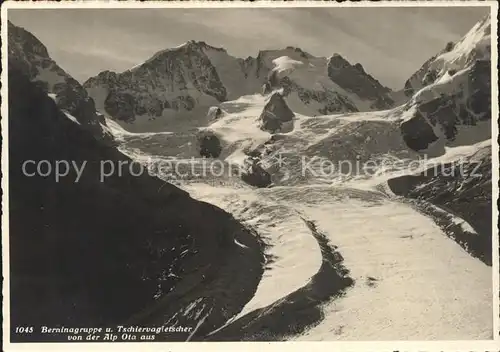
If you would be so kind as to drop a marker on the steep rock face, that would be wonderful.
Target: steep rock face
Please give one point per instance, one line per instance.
(453, 117)
(276, 115)
(417, 133)
(96, 252)
(209, 144)
(455, 109)
(28, 55)
(354, 79)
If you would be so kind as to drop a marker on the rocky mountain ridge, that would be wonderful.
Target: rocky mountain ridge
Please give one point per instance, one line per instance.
(199, 75)
(28, 55)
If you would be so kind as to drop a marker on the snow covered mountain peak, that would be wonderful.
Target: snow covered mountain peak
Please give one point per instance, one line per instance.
(474, 46)
(182, 83)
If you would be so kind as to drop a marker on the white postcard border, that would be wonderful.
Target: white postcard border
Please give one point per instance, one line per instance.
(361, 346)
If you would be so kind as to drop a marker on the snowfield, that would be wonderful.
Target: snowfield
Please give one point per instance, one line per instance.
(412, 283)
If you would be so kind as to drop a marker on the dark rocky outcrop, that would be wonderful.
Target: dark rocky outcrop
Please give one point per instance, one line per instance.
(209, 144)
(275, 114)
(429, 78)
(417, 133)
(96, 252)
(256, 175)
(354, 79)
(122, 106)
(215, 113)
(449, 47)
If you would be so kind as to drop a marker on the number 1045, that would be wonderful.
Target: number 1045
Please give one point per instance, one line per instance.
(23, 329)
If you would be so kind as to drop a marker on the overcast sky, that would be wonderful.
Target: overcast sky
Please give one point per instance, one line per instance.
(391, 43)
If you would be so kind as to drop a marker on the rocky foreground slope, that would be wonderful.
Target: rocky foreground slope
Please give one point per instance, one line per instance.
(88, 251)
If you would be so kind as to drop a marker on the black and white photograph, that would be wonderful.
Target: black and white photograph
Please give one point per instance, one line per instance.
(245, 172)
